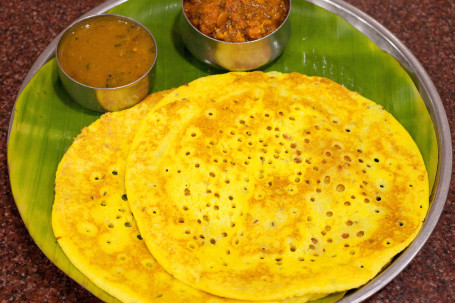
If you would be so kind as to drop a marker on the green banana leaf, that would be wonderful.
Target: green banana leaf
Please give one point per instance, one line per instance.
(46, 120)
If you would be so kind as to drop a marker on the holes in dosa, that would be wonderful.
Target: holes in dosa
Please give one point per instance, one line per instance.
(261, 152)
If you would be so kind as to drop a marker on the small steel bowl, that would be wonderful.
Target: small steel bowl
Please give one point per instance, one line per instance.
(235, 56)
(112, 98)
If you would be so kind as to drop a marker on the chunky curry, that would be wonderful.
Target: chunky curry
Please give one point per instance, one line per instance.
(236, 20)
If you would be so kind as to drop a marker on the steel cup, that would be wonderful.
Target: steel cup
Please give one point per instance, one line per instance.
(112, 98)
(235, 56)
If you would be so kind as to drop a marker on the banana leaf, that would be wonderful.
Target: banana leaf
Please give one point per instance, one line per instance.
(46, 120)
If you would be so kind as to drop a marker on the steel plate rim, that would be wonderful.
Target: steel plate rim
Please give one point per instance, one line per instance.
(389, 43)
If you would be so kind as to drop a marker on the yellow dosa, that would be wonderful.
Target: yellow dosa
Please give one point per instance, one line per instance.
(261, 186)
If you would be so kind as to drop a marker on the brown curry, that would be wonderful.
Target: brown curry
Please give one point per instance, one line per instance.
(106, 52)
(236, 20)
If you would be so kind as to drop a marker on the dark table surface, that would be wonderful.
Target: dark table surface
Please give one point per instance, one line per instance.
(426, 27)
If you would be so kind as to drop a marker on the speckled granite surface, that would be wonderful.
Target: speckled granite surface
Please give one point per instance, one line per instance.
(427, 28)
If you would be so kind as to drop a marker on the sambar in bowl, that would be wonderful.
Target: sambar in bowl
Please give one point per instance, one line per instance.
(106, 62)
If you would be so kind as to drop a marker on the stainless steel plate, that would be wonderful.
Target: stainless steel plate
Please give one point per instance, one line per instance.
(390, 44)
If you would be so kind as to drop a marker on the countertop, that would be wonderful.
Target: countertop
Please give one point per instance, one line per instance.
(426, 27)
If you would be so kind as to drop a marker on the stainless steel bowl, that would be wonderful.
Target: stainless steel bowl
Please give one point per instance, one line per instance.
(106, 99)
(235, 56)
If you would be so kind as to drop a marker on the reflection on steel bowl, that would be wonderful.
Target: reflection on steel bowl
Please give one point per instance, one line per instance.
(106, 62)
(253, 35)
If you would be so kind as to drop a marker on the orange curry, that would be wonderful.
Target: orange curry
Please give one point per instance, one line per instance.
(236, 20)
(106, 52)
